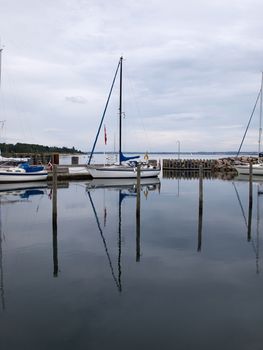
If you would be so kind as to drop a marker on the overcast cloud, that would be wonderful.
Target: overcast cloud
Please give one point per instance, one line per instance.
(192, 72)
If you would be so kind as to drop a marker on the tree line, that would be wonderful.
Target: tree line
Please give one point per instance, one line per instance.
(7, 148)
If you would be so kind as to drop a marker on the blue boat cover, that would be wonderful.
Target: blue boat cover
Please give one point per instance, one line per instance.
(31, 168)
(30, 192)
(123, 158)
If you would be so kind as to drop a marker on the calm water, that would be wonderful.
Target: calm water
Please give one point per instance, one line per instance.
(105, 278)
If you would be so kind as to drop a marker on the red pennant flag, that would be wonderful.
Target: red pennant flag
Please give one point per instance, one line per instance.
(105, 135)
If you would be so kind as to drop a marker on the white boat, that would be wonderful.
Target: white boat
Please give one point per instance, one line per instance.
(23, 173)
(244, 169)
(123, 171)
(257, 169)
(125, 168)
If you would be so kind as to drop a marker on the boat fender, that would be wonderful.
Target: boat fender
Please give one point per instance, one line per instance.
(50, 166)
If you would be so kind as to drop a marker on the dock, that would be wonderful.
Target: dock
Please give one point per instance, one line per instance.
(70, 172)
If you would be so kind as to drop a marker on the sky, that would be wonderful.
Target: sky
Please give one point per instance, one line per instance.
(191, 73)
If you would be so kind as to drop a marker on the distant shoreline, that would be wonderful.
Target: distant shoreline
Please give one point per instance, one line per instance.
(230, 153)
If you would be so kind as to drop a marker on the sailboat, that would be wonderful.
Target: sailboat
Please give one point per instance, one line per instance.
(257, 169)
(127, 167)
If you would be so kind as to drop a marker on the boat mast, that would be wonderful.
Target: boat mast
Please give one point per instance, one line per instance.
(104, 112)
(260, 119)
(1, 49)
(120, 111)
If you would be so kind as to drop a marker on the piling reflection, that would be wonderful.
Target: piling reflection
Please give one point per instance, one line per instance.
(125, 188)
(200, 214)
(138, 215)
(54, 222)
(248, 217)
(2, 290)
(138, 223)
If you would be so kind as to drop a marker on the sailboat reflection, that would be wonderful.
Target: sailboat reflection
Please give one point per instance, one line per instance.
(126, 188)
(11, 194)
(130, 184)
(248, 220)
(23, 190)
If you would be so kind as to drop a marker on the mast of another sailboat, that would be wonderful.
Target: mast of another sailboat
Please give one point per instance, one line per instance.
(120, 112)
(1, 49)
(260, 119)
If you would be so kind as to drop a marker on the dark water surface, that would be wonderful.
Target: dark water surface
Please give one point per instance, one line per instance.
(169, 278)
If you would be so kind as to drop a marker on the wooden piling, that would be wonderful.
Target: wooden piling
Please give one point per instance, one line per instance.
(138, 213)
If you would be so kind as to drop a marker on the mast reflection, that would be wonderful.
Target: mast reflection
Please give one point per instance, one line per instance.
(2, 290)
(248, 221)
(125, 188)
(116, 280)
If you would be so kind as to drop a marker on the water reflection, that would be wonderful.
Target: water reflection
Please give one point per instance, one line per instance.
(12, 193)
(125, 188)
(117, 280)
(54, 225)
(200, 213)
(2, 290)
(135, 262)
(248, 220)
(23, 189)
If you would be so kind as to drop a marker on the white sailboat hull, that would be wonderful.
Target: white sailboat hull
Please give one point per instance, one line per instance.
(257, 169)
(122, 172)
(6, 176)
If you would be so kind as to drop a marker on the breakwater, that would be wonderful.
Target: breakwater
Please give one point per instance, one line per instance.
(213, 165)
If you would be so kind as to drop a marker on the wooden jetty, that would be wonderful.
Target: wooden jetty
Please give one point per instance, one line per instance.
(63, 172)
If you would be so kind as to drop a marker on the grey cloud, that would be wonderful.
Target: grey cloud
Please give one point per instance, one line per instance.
(193, 67)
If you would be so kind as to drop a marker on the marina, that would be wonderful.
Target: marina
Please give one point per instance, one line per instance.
(131, 175)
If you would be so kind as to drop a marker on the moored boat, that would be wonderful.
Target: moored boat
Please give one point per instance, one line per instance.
(126, 166)
(244, 169)
(123, 171)
(23, 172)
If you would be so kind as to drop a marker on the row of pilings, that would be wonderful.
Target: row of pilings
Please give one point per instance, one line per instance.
(212, 168)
